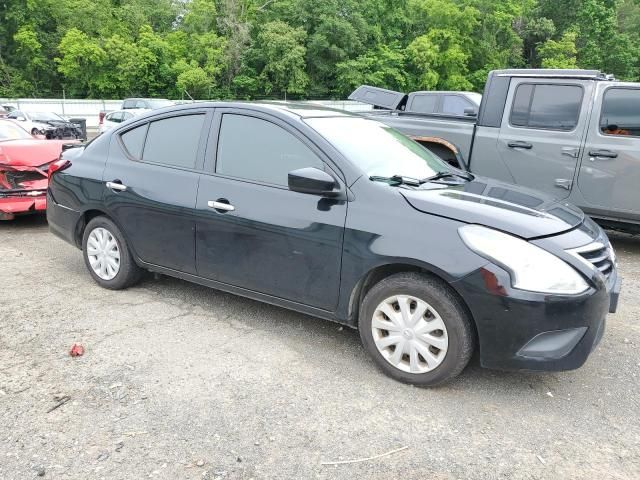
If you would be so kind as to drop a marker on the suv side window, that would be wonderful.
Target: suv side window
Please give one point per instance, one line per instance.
(128, 104)
(255, 149)
(424, 103)
(174, 141)
(141, 104)
(455, 105)
(621, 112)
(547, 107)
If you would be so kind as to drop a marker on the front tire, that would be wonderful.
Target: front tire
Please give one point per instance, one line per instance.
(107, 255)
(416, 329)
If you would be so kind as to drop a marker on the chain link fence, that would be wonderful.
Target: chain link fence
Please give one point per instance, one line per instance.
(90, 109)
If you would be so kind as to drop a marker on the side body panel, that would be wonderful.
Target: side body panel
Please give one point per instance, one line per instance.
(543, 158)
(609, 173)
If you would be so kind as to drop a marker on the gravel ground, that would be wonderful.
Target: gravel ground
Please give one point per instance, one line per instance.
(181, 381)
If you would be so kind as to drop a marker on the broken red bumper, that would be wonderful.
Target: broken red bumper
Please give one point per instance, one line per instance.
(23, 189)
(12, 206)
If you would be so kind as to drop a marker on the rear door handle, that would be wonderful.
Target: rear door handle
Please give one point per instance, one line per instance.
(525, 145)
(117, 186)
(602, 154)
(221, 204)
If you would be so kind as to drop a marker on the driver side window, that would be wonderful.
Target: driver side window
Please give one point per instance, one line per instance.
(254, 149)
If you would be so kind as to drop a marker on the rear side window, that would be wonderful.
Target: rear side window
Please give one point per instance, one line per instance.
(621, 112)
(255, 149)
(174, 141)
(128, 104)
(133, 140)
(549, 107)
(424, 103)
(455, 105)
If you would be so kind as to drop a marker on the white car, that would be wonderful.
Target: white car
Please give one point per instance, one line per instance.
(113, 119)
(49, 124)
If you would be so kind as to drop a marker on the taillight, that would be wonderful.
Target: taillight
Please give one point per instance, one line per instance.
(57, 166)
(101, 118)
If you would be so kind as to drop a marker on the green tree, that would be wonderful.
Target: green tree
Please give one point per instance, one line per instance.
(559, 54)
(282, 58)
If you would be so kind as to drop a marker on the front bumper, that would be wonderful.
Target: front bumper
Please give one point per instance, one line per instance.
(521, 330)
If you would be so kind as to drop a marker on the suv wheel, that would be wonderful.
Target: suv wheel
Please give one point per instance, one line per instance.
(107, 255)
(416, 329)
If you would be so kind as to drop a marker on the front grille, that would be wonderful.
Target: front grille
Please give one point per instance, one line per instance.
(599, 256)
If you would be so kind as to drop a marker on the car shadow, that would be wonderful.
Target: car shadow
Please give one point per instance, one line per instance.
(306, 332)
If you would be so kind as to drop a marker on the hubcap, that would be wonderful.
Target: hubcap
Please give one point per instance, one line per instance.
(409, 334)
(103, 253)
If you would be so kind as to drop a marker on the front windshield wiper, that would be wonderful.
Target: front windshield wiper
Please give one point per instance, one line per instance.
(397, 180)
(416, 182)
(446, 174)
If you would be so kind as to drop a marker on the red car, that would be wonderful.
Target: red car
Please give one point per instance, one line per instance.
(24, 165)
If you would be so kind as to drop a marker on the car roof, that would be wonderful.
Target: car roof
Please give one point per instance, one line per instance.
(292, 109)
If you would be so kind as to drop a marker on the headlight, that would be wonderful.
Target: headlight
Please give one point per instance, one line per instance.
(531, 267)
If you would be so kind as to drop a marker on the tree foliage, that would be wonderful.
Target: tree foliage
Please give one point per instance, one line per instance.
(301, 48)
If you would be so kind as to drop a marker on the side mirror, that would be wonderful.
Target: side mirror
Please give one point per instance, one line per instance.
(312, 180)
(470, 112)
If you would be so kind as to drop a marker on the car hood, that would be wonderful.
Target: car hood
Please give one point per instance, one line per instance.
(512, 209)
(30, 153)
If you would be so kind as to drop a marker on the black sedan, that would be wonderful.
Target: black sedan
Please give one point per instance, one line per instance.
(344, 218)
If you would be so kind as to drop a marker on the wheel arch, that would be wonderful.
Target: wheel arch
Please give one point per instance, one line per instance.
(380, 272)
(439, 146)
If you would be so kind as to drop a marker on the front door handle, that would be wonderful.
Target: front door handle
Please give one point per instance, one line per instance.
(519, 144)
(221, 205)
(602, 154)
(564, 183)
(116, 185)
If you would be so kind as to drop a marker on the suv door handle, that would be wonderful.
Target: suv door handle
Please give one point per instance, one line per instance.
(602, 154)
(116, 185)
(222, 204)
(519, 144)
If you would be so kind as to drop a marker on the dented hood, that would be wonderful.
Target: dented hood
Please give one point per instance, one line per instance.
(29, 152)
(512, 209)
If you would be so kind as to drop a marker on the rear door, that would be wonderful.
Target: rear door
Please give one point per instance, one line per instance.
(542, 130)
(151, 181)
(610, 170)
(266, 238)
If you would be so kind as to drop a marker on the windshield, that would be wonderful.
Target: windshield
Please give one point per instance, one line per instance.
(377, 149)
(9, 131)
(46, 117)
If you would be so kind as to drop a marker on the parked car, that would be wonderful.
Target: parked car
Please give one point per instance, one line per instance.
(574, 134)
(113, 119)
(145, 103)
(344, 218)
(24, 166)
(49, 124)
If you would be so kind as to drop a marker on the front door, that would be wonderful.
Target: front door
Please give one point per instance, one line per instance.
(541, 132)
(609, 174)
(151, 181)
(252, 231)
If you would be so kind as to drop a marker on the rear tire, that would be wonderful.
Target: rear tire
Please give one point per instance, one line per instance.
(107, 255)
(416, 329)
